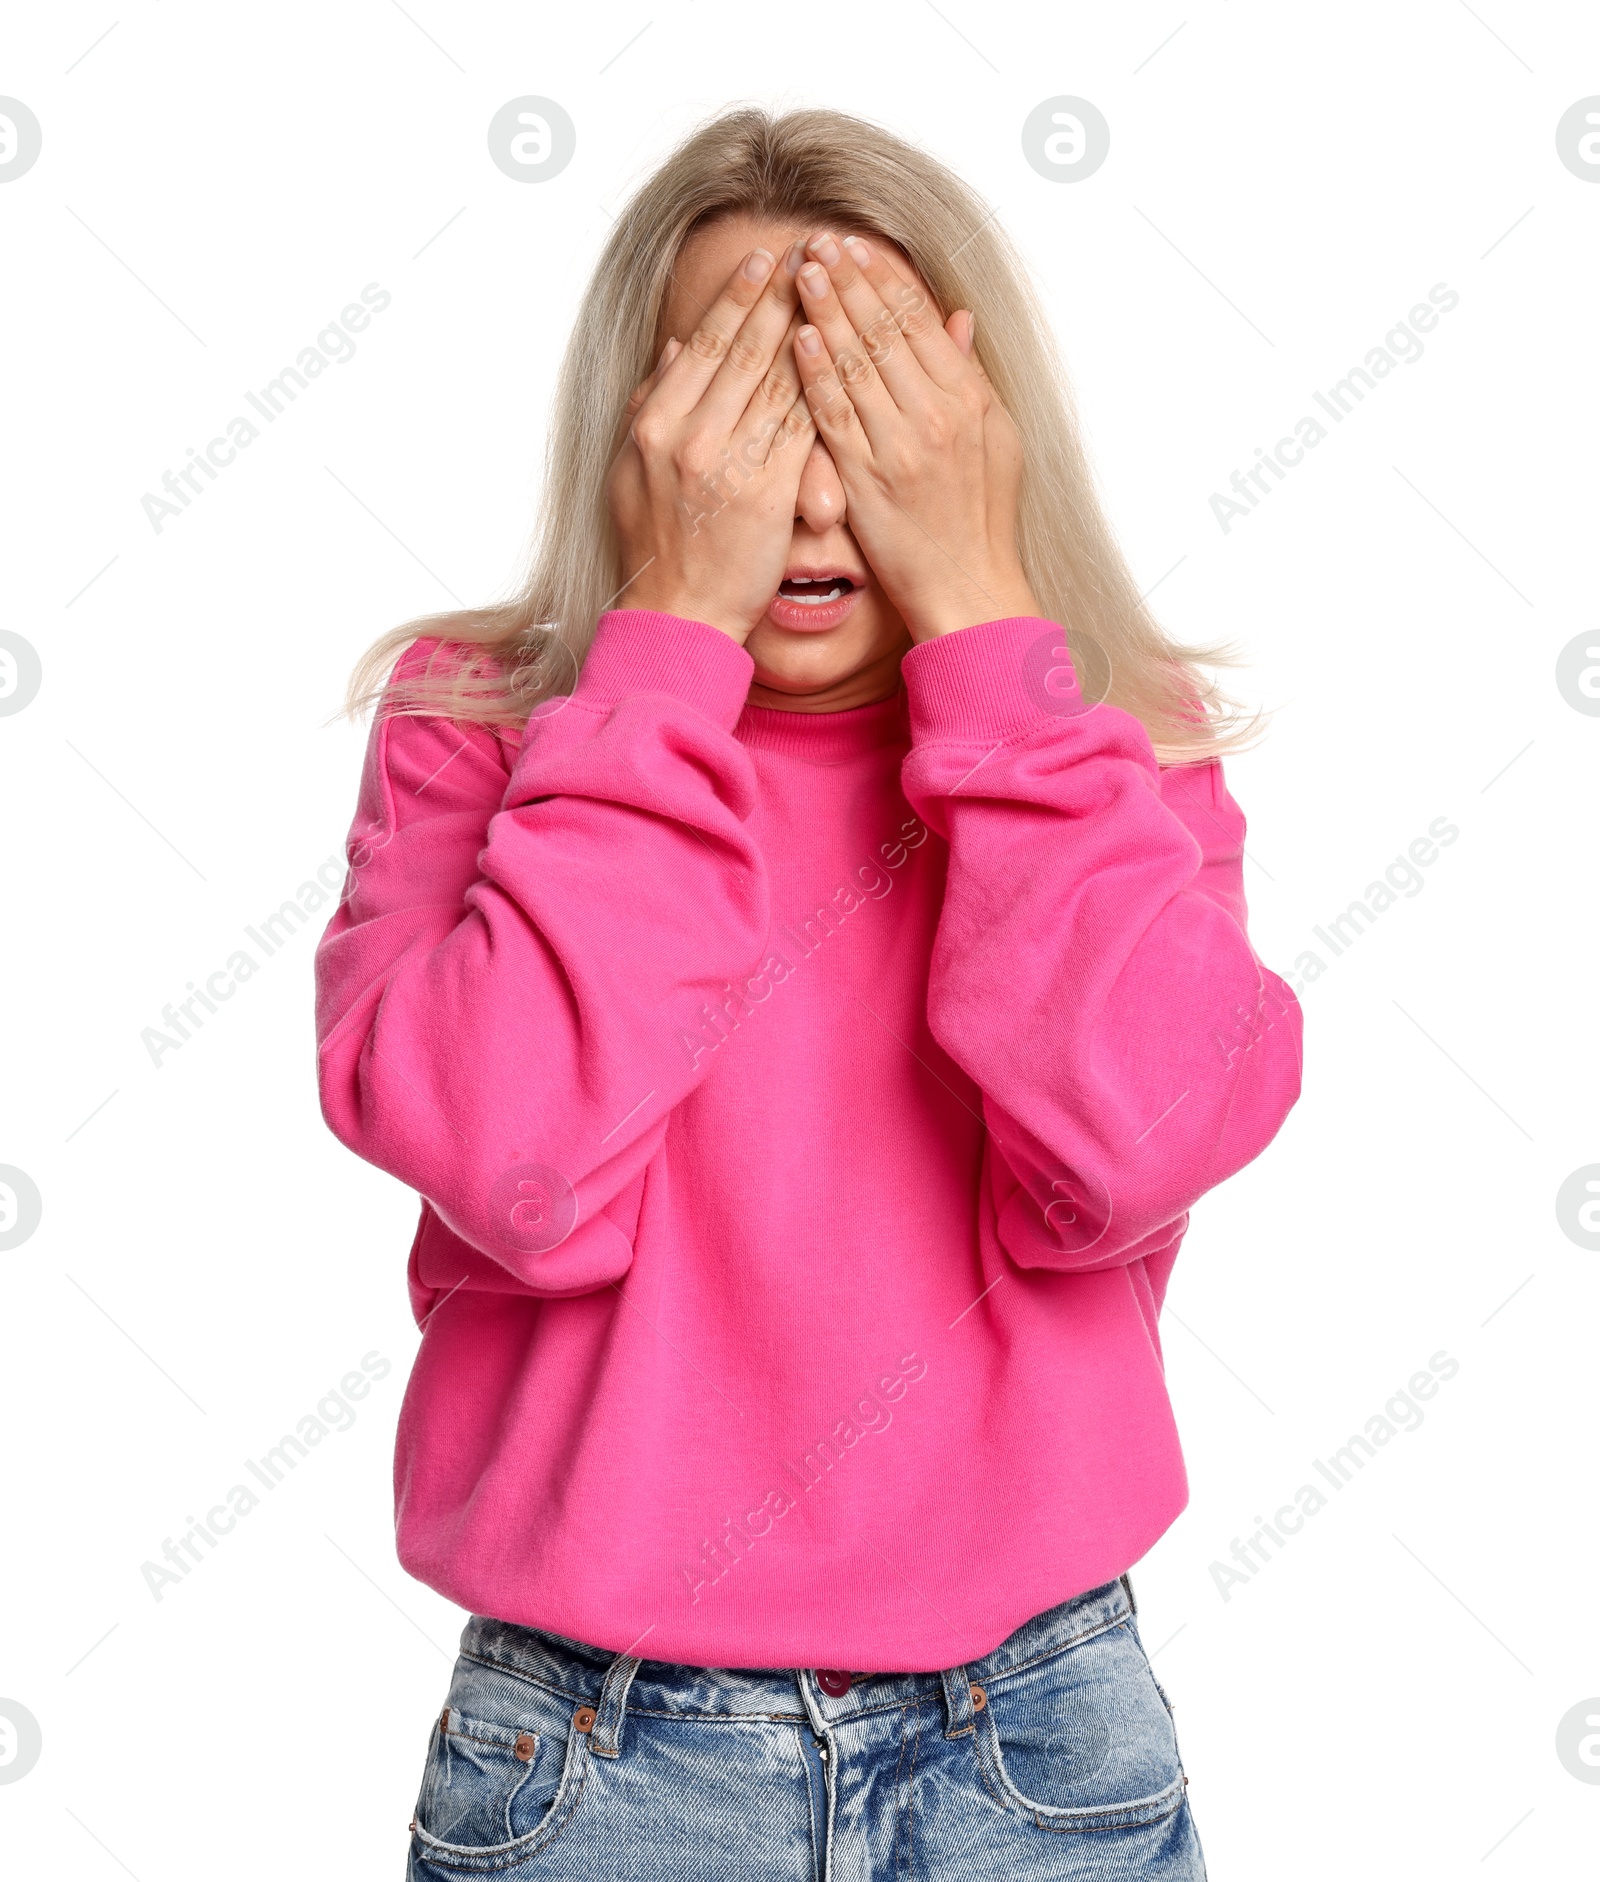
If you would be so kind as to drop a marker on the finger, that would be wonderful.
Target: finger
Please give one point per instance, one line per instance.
(770, 404)
(859, 378)
(833, 411)
(791, 446)
(962, 327)
(848, 265)
(684, 382)
(758, 346)
(645, 387)
(914, 313)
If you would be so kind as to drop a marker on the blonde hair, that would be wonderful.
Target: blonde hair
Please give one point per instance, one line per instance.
(818, 169)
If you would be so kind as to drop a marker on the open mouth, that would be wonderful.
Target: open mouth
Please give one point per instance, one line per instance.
(813, 604)
(819, 593)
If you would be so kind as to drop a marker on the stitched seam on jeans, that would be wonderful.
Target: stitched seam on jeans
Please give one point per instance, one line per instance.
(1014, 1803)
(875, 1712)
(1077, 1640)
(722, 1718)
(811, 1804)
(649, 1712)
(528, 1679)
(500, 1855)
(911, 1789)
(1059, 1816)
(1100, 1829)
(786, 1718)
(899, 1766)
(497, 1744)
(983, 1773)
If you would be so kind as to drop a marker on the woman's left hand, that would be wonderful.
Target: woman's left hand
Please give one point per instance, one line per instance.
(929, 459)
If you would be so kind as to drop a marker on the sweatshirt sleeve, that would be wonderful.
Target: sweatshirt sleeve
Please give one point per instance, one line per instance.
(500, 990)
(1091, 973)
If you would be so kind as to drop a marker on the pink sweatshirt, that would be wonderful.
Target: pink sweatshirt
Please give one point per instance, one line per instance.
(806, 1109)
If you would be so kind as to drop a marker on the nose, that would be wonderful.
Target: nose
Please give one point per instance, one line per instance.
(819, 502)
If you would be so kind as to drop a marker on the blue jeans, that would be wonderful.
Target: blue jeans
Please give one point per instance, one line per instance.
(1051, 1757)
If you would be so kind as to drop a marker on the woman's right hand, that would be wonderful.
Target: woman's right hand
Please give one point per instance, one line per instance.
(703, 491)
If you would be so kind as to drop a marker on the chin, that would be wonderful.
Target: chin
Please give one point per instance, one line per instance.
(804, 667)
(802, 663)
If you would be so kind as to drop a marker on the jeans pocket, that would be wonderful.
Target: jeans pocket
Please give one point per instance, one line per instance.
(1083, 1740)
(503, 1775)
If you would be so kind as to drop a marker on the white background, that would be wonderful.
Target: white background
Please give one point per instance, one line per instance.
(1284, 183)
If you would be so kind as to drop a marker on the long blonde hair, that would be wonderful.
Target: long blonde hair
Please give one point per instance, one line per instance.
(817, 169)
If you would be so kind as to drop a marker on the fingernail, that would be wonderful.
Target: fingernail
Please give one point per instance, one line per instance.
(758, 265)
(826, 249)
(795, 256)
(814, 279)
(860, 253)
(809, 341)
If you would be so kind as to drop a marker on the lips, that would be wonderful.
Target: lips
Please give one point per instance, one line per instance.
(811, 600)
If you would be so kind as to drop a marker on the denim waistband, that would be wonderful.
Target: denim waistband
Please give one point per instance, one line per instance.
(616, 1684)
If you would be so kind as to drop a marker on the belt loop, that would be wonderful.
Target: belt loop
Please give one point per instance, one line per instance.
(605, 1735)
(957, 1702)
(1128, 1588)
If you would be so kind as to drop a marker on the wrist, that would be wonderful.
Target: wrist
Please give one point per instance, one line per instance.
(670, 598)
(970, 604)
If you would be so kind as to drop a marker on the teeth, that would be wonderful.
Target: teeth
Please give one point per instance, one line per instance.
(816, 600)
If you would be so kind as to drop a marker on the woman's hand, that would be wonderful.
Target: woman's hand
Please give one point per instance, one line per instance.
(703, 490)
(929, 459)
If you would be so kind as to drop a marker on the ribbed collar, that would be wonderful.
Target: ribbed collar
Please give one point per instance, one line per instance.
(826, 737)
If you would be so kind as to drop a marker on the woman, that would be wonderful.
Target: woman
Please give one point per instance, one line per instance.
(808, 998)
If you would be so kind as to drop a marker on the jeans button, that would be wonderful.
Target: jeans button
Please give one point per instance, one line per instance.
(834, 1683)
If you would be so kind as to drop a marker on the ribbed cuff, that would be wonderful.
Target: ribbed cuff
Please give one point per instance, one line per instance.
(637, 650)
(988, 681)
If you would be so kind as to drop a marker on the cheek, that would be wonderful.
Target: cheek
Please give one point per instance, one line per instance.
(877, 622)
